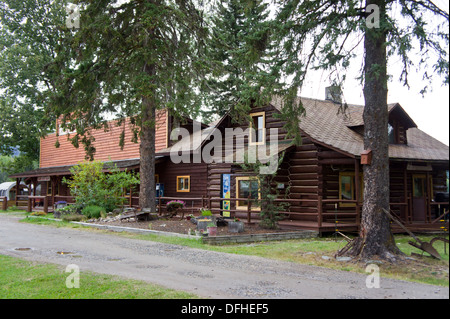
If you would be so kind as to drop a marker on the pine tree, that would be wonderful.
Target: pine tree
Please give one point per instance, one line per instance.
(239, 49)
(29, 32)
(131, 58)
(317, 34)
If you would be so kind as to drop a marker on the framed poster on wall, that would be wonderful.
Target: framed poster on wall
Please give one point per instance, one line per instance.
(226, 193)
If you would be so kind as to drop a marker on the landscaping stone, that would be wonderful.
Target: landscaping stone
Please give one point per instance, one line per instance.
(235, 227)
(343, 258)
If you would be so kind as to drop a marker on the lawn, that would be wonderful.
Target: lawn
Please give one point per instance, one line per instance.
(319, 252)
(20, 279)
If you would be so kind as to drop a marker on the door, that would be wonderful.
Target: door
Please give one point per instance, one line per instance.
(420, 191)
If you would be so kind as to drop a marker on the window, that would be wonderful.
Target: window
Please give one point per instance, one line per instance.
(258, 124)
(49, 188)
(391, 134)
(183, 183)
(347, 190)
(245, 187)
(421, 186)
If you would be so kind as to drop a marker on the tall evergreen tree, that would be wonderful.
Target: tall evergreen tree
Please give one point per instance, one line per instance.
(130, 58)
(29, 35)
(317, 34)
(239, 50)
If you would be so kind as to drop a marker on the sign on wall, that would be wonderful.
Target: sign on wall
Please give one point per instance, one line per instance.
(226, 193)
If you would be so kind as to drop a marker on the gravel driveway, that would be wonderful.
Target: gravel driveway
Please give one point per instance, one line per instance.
(205, 273)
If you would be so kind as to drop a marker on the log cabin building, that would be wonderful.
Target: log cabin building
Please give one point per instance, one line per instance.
(320, 180)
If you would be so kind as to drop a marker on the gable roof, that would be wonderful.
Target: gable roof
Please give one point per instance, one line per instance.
(325, 124)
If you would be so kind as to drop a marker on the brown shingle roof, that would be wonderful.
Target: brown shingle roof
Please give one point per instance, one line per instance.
(326, 125)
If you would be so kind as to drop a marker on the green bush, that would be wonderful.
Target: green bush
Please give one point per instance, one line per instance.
(68, 210)
(93, 211)
(90, 185)
(206, 212)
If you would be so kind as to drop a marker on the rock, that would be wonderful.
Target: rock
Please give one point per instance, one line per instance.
(235, 227)
(326, 257)
(343, 258)
(117, 211)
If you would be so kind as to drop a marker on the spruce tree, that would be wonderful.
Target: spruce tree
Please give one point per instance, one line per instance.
(319, 34)
(239, 49)
(130, 58)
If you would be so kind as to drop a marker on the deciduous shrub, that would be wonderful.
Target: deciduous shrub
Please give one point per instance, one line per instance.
(93, 211)
(90, 185)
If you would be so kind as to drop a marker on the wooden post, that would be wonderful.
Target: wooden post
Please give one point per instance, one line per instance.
(17, 191)
(358, 192)
(53, 181)
(203, 201)
(46, 204)
(131, 196)
(4, 203)
(319, 212)
(405, 192)
(29, 205)
(249, 209)
(159, 206)
(429, 197)
(209, 203)
(410, 209)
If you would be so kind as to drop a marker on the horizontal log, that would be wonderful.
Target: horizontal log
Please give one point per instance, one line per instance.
(310, 147)
(304, 169)
(303, 176)
(330, 154)
(305, 183)
(305, 154)
(337, 161)
(304, 161)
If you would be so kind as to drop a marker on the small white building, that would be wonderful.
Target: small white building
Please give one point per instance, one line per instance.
(8, 189)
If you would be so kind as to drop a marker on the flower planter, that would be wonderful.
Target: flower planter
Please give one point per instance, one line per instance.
(235, 226)
(212, 231)
(203, 223)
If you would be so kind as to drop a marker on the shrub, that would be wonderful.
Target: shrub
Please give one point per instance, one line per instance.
(206, 212)
(91, 186)
(93, 211)
(174, 205)
(68, 210)
(73, 218)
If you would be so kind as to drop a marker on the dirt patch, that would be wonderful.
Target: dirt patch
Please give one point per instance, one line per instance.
(183, 227)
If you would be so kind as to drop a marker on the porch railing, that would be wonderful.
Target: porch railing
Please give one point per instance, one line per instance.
(194, 204)
(4, 201)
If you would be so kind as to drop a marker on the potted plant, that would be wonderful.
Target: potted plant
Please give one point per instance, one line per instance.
(207, 214)
(212, 229)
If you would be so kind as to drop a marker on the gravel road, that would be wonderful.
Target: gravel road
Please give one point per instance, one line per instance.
(205, 273)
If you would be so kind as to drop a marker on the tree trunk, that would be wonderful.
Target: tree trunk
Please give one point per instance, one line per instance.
(147, 193)
(376, 238)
